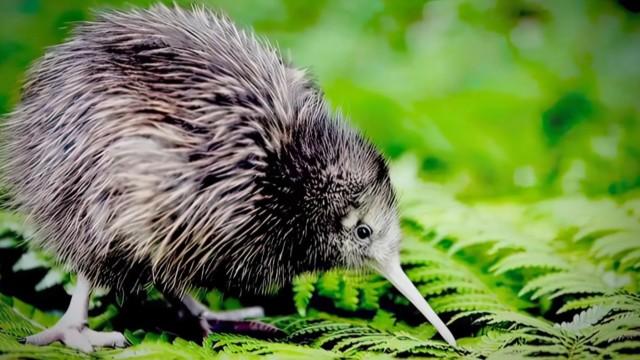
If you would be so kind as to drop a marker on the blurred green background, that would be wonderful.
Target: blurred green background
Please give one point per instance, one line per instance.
(495, 98)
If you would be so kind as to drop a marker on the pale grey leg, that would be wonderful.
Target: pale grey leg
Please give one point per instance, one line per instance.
(72, 328)
(233, 321)
(198, 309)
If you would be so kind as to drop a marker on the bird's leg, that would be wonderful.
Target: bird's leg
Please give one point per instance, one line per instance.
(228, 321)
(72, 328)
(198, 309)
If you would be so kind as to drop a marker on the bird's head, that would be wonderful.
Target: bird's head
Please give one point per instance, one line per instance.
(347, 207)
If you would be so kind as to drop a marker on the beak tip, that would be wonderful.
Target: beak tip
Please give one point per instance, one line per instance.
(451, 341)
(446, 334)
(394, 273)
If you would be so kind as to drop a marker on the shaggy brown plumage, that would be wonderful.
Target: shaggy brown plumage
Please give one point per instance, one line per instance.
(168, 146)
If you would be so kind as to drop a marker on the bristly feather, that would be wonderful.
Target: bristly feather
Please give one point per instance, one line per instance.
(168, 146)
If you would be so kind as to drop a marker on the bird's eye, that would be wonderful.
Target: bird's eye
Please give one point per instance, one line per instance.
(363, 231)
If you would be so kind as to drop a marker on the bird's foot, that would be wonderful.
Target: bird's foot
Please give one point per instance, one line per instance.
(234, 321)
(79, 337)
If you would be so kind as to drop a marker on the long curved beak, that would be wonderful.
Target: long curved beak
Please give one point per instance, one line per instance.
(391, 270)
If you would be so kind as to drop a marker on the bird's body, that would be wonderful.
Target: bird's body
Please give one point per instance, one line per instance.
(167, 146)
(172, 144)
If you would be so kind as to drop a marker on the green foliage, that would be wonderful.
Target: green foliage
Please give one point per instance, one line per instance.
(593, 333)
(243, 345)
(303, 287)
(524, 118)
(564, 115)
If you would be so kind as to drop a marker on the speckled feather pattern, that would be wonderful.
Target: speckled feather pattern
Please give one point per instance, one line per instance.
(168, 146)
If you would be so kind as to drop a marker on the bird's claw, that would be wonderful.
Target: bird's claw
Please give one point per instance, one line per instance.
(234, 321)
(78, 337)
(246, 327)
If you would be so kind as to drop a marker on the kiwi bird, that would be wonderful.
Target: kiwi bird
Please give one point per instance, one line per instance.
(167, 146)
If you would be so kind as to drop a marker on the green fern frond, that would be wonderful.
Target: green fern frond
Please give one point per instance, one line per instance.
(619, 301)
(529, 259)
(631, 346)
(163, 350)
(464, 302)
(461, 286)
(329, 283)
(526, 322)
(588, 216)
(21, 319)
(561, 283)
(348, 298)
(590, 333)
(585, 319)
(349, 290)
(613, 246)
(616, 328)
(357, 338)
(429, 273)
(343, 335)
(303, 288)
(397, 344)
(352, 336)
(244, 345)
(383, 320)
(371, 293)
(538, 351)
(631, 260)
(317, 329)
